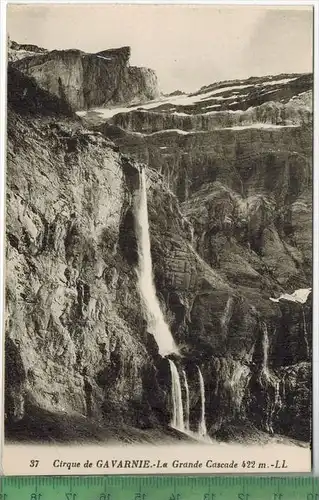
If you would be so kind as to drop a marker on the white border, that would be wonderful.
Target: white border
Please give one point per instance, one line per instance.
(292, 3)
(3, 52)
(315, 377)
(3, 93)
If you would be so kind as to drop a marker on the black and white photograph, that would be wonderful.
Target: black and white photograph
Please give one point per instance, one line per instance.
(158, 239)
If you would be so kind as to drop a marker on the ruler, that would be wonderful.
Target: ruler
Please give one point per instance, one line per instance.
(159, 488)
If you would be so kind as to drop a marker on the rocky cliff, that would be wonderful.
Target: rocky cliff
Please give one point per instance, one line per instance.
(238, 157)
(86, 80)
(230, 226)
(74, 343)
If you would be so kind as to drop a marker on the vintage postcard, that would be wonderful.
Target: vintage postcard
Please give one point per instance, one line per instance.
(158, 271)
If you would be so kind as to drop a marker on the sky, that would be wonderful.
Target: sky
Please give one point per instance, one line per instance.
(188, 46)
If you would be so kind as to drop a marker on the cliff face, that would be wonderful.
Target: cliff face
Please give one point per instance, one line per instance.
(75, 341)
(229, 213)
(87, 80)
(238, 156)
(243, 177)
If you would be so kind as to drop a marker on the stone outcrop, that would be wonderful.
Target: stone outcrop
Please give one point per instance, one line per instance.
(18, 51)
(86, 80)
(230, 219)
(270, 113)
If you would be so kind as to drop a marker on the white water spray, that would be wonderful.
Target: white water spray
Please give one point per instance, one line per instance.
(155, 320)
(202, 431)
(178, 414)
(187, 402)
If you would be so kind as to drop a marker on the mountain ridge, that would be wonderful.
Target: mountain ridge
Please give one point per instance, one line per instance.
(86, 79)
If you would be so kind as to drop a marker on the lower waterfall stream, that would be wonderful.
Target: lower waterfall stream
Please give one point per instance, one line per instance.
(177, 400)
(187, 401)
(202, 430)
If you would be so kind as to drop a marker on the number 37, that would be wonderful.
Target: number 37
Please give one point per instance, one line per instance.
(34, 463)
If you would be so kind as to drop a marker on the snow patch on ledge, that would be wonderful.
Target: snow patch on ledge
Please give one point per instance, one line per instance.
(176, 130)
(268, 126)
(300, 296)
(259, 125)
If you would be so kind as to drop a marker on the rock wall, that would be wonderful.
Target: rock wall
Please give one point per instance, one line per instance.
(243, 186)
(88, 80)
(77, 348)
(219, 320)
(75, 343)
(272, 113)
(246, 192)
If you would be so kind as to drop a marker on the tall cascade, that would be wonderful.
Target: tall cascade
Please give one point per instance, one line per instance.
(202, 431)
(187, 401)
(178, 412)
(305, 333)
(265, 348)
(151, 307)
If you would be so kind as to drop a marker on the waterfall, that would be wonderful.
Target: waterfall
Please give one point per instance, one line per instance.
(178, 414)
(187, 402)
(192, 234)
(227, 314)
(271, 385)
(305, 331)
(202, 431)
(276, 404)
(265, 347)
(277, 395)
(151, 307)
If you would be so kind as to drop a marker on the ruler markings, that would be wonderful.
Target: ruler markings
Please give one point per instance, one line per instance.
(159, 488)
